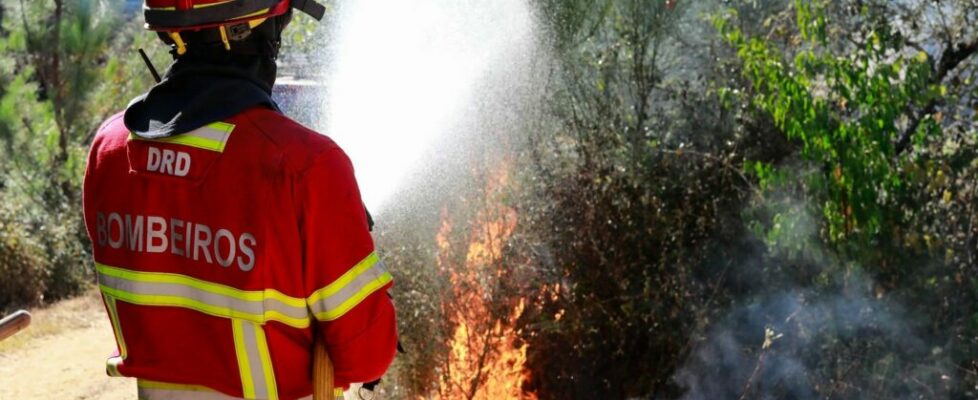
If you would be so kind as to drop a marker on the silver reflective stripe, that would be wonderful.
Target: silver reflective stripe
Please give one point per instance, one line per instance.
(213, 137)
(116, 327)
(215, 299)
(213, 132)
(339, 297)
(254, 362)
(177, 394)
(175, 290)
(112, 366)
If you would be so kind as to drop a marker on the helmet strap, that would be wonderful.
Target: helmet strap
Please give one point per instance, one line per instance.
(310, 7)
(224, 38)
(262, 39)
(178, 41)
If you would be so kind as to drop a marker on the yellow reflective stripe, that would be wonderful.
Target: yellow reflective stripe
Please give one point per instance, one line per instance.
(116, 328)
(165, 277)
(282, 297)
(254, 14)
(221, 126)
(213, 137)
(271, 315)
(192, 141)
(255, 299)
(338, 393)
(347, 305)
(344, 280)
(196, 305)
(244, 365)
(150, 390)
(254, 360)
(112, 366)
(147, 384)
(339, 297)
(177, 301)
(255, 22)
(266, 363)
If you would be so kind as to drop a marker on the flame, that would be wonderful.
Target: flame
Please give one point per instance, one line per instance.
(485, 358)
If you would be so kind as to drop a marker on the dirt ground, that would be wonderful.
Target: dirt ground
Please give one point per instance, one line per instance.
(62, 355)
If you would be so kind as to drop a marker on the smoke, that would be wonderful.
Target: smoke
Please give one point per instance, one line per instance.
(774, 346)
(840, 336)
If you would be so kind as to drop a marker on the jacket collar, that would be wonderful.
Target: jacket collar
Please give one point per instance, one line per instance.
(201, 88)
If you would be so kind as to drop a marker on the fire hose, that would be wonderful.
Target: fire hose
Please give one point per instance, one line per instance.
(14, 323)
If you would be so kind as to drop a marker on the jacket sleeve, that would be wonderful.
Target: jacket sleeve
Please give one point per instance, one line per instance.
(345, 281)
(89, 189)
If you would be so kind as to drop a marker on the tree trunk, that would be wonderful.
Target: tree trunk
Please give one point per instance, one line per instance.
(57, 90)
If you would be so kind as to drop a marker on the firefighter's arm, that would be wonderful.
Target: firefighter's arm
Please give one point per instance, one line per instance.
(345, 280)
(89, 185)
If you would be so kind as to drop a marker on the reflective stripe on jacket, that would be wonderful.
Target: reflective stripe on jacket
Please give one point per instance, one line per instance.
(150, 390)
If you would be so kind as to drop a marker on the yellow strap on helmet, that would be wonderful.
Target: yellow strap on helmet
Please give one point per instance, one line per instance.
(181, 46)
(224, 38)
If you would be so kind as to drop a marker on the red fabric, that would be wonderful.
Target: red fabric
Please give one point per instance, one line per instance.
(280, 8)
(179, 4)
(290, 188)
(343, 210)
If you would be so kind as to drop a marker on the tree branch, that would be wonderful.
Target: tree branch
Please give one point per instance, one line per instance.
(952, 57)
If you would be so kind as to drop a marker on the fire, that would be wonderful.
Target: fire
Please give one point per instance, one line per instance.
(485, 359)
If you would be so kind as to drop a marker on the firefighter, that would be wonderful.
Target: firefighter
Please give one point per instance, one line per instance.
(229, 239)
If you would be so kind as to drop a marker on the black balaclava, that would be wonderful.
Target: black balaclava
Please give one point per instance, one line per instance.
(209, 83)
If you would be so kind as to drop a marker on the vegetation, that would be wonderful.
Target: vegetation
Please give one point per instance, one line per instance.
(743, 199)
(827, 129)
(66, 67)
(710, 200)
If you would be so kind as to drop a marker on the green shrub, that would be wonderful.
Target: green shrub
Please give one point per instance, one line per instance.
(22, 273)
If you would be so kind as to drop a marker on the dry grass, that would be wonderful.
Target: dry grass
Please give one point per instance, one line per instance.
(81, 312)
(62, 355)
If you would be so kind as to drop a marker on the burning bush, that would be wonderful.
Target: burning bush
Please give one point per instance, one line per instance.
(781, 208)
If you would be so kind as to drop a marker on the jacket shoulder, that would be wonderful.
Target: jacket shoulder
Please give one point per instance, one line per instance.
(111, 135)
(300, 145)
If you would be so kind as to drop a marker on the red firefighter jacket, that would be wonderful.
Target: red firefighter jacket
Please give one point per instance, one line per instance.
(223, 251)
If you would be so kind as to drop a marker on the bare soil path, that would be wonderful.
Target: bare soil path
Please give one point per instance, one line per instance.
(62, 355)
